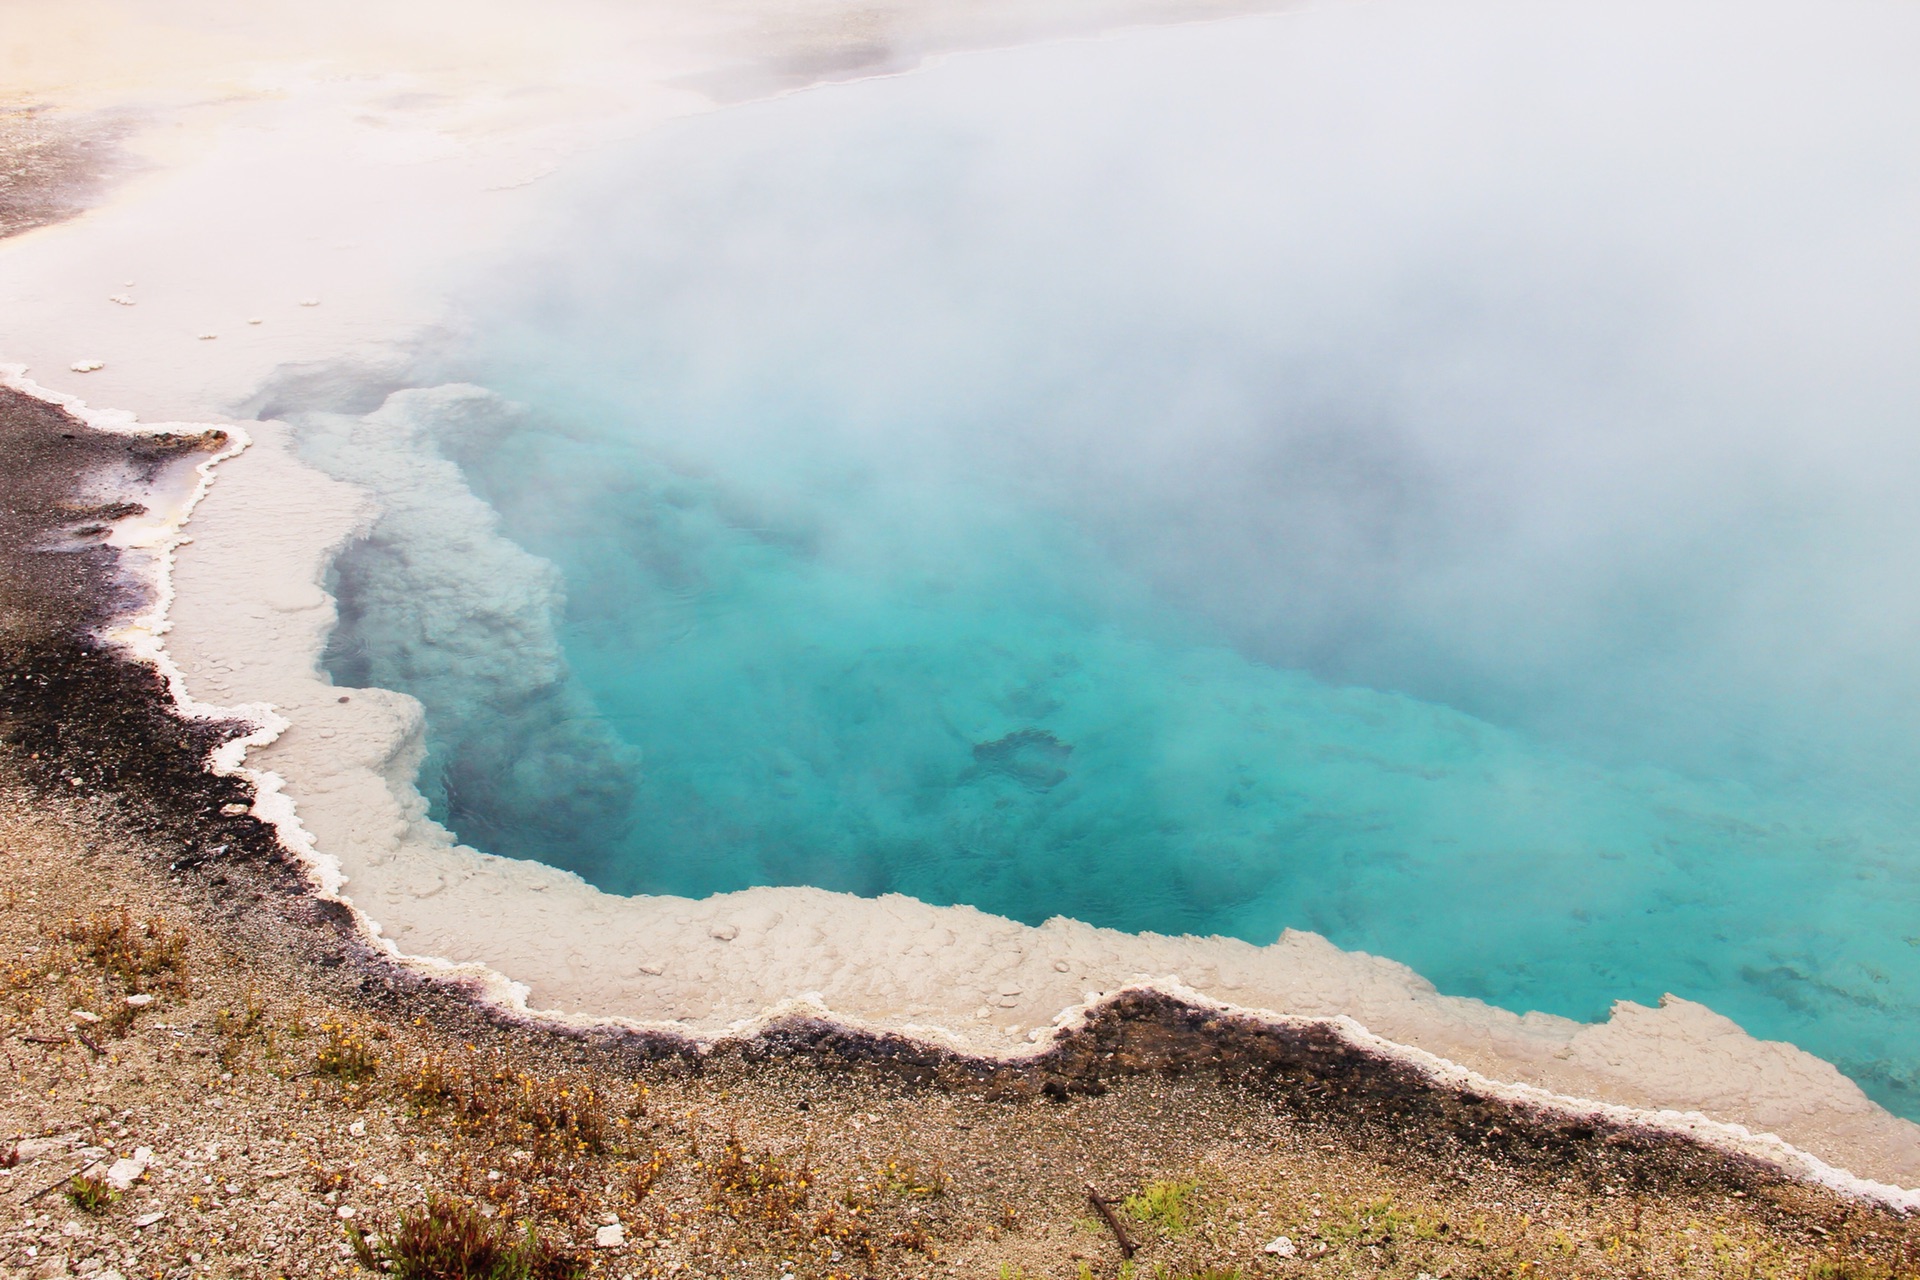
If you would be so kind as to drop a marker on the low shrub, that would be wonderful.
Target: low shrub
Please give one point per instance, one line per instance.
(447, 1240)
(90, 1195)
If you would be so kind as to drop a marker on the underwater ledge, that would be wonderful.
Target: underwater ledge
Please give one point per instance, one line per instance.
(242, 614)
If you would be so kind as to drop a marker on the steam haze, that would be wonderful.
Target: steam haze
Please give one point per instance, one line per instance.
(1560, 362)
(1440, 474)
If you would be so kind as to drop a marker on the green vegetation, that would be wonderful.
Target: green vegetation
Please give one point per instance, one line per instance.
(1165, 1206)
(446, 1240)
(147, 956)
(90, 1195)
(903, 1178)
(555, 1118)
(347, 1055)
(1383, 1222)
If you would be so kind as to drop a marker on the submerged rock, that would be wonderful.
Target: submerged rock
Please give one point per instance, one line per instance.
(1033, 758)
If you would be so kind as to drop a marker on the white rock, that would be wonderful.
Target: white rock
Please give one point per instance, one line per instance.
(146, 1220)
(208, 337)
(358, 1128)
(255, 320)
(610, 1237)
(345, 1211)
(121, 299)
(309, 302)
(125, 1173)
(725, 932)
(81, 1015)
(140, 1001)
(1280, 1247)
(87, 366)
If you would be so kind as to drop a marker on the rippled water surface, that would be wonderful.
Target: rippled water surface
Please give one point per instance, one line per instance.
(1441, 476)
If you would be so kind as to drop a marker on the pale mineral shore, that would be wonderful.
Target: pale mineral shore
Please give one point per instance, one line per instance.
(305, 182)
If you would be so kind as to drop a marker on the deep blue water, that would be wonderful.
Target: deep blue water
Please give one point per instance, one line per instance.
(1441, 477)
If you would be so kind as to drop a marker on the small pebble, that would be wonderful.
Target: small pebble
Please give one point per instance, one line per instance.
(121, 299)
(140, 1001)
(87, 366)
(611, 1236)
(1280, 1247)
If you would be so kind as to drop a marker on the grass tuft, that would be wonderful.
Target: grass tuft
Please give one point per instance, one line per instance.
(647, 1173)
(1850, 1269)
(90, 1195)
(1165, 1205)
(1380, 1222)
(902, 1178)
(144, 956)
(447, 1240)
(346, 1055)
(763, 1187)
(558, 1118)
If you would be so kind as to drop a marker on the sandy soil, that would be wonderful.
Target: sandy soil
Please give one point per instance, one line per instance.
(303, 176)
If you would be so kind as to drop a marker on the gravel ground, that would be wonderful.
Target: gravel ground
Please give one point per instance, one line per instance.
(278, 1088)
(52, 164)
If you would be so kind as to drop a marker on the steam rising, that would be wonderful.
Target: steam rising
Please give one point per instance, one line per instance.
(1442, 474)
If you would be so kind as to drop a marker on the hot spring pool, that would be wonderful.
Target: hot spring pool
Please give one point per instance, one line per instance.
(1440, 476)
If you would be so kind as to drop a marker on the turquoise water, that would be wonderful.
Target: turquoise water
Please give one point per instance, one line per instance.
(1440, 478)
